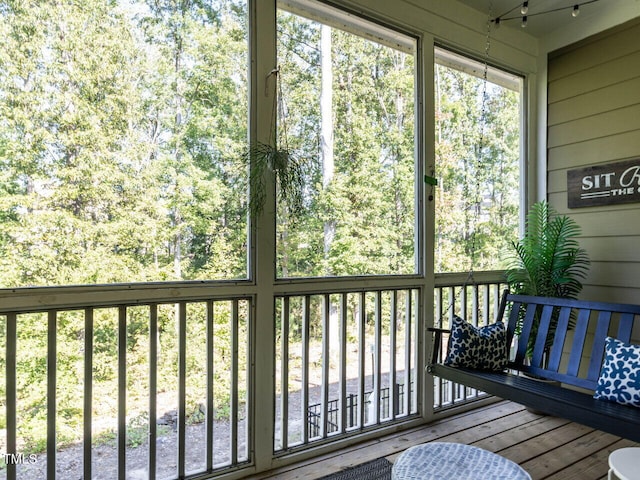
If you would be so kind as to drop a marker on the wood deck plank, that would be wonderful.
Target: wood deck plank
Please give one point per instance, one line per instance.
(530, 448)
(394, 443)
(549, 448)
(540, 426)
(552, 462)
(591, 467)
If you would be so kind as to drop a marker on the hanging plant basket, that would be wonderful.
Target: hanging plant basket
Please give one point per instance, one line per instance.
(285, 170)
(277, 159)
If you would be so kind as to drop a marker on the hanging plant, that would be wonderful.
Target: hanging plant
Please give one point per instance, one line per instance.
(286, 171)
(276, 158)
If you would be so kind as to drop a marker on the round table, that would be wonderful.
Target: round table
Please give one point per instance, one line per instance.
(624, 463)
(446, 461)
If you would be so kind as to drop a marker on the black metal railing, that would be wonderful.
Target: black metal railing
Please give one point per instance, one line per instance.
(314, 412)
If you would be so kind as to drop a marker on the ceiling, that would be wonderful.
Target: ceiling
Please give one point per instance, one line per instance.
(539, 23)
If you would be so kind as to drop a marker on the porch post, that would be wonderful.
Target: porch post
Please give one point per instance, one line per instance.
(263, 61)
(427, 219)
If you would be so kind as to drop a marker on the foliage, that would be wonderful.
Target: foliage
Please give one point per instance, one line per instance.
(118, 124)
(361, 217)
(548, 260)
(477, 198)
(285, 167)
(123, 158)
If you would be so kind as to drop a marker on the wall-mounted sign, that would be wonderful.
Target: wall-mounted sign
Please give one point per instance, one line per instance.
(604, 184)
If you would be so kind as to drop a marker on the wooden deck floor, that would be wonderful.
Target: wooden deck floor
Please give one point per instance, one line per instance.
(547, 447)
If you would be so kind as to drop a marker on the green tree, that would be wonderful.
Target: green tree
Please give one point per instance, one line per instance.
(67, 86)
(370, 198)
(119, 128)
(477, 164)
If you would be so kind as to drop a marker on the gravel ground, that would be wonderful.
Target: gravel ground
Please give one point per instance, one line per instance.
(70, 462)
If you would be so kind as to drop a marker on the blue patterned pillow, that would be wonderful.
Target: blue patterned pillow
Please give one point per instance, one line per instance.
(619, 379)
(483, 348)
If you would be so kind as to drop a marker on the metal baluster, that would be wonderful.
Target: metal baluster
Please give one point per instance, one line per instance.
(376, 359)
(284, 374)
(475, 306)
(361, 352)
(182, 386)
(209, 413)
(52, 376)
(415, 295)
(463, 302)
(407, 353)
(305, 368)
(88, 391)
(153, 388)
(122, 392)
(393, 325)
(343, 363)
(234, 381)
(11, 348)
(326, 353)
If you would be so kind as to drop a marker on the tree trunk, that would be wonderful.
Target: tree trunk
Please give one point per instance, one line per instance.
(326, 129)
(328, 167)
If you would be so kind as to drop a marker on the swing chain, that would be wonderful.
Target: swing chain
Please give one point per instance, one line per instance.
(480, 149)
(470, 280)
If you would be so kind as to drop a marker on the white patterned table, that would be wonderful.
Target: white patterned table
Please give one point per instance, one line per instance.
(446, 461)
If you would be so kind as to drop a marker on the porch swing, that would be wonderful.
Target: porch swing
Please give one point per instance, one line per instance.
(477, 357)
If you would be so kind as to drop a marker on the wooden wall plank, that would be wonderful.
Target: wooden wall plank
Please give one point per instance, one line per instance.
(615, 43)
(595, 151)
(621, 120)
(596, 77)
(614, 274)
(619, 249)
(594, 119)
(596, 102)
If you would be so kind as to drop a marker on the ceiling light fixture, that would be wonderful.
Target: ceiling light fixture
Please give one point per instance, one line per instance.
(525, 13)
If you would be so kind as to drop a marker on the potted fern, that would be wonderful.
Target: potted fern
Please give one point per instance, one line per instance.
(548, 260)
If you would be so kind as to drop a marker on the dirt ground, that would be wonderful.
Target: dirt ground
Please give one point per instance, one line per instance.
(70, 462)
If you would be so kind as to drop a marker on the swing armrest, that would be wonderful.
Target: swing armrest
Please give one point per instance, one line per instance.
(437, 341)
